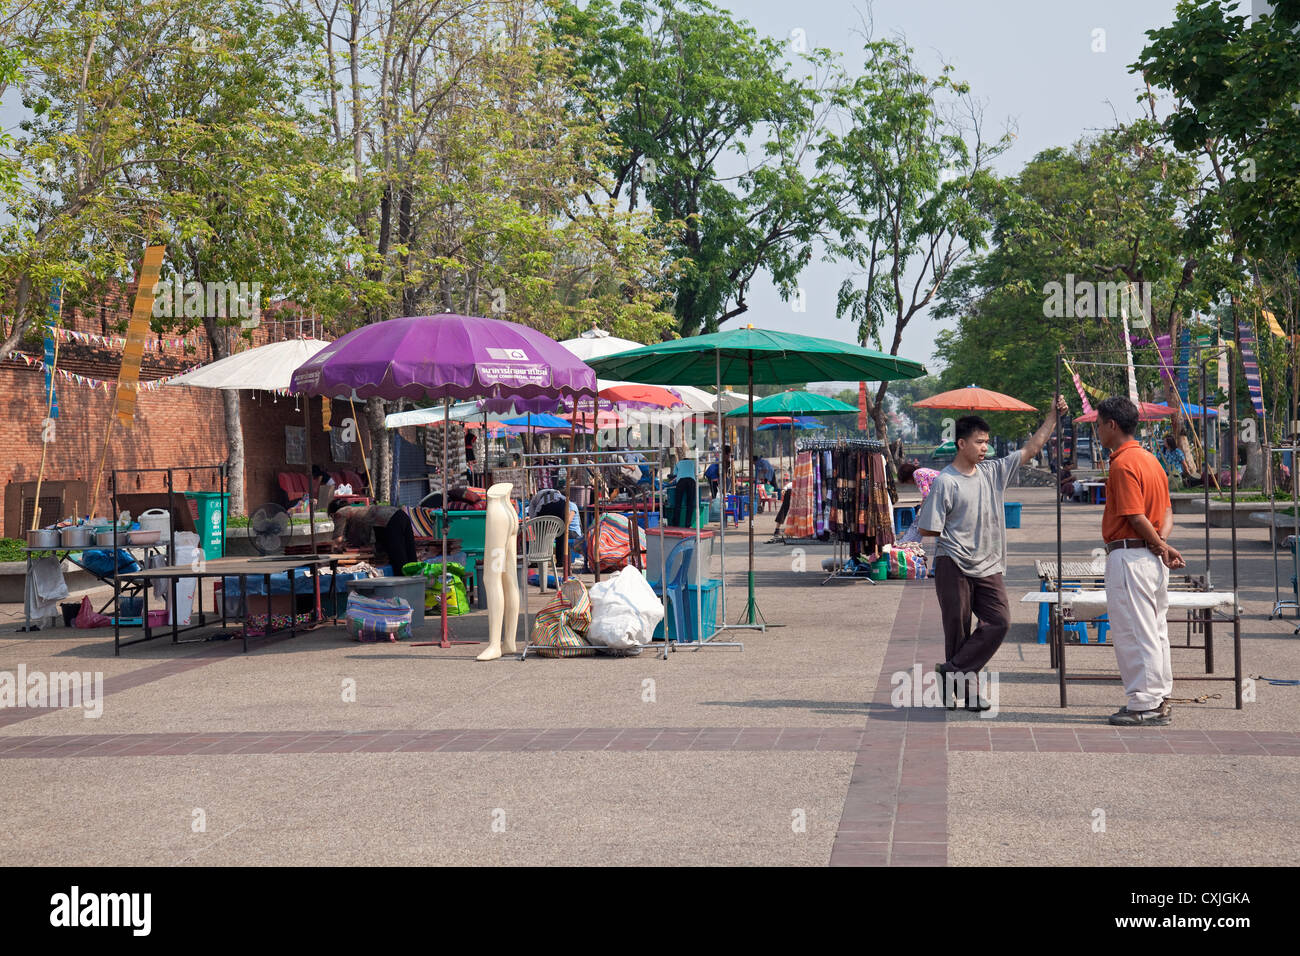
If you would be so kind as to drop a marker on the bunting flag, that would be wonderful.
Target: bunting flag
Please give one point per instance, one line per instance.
(98, 383)
(325, 414)
(862, 406)
(1078, 385)
(137, 332)
(157, 344)
(1096, 393)
(1251, 367)
(51, 349)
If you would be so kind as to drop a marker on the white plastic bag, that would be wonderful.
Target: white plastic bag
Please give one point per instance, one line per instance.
(624, 611)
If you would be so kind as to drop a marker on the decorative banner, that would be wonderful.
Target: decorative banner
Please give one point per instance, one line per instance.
(1223, 376)
(862, 406)
(51, 352)
(1184, 359)
(1078, 385)
(325, 414)
(137, 332)
(1251, 367)
(1272, 324)
(1128, 355)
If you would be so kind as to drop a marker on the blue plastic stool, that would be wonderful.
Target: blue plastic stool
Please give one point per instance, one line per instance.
(904, 516)
(1103, 626)
(1078, 627)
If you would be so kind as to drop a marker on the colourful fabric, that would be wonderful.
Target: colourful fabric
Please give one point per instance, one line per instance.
(799, 523)
(559, 627)
(423, 522)
(615, 543)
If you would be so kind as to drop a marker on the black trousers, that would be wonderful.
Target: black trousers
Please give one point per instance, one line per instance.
(969, 650)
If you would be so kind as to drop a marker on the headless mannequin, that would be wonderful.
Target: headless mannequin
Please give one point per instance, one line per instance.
(499, 582)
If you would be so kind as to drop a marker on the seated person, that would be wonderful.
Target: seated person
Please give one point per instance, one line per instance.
(324, 484)
(1175, 462)
(764, 471)
(1068, 485)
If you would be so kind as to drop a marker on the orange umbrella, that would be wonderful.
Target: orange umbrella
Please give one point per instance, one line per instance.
(634, 393)
(974, 399)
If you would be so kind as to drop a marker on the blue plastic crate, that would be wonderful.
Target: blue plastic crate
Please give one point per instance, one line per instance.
(711, 589)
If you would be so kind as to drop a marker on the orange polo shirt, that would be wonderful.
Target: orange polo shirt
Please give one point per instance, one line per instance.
(1137, 485)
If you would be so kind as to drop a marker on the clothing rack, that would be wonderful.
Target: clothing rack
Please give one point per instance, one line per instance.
(840, 555)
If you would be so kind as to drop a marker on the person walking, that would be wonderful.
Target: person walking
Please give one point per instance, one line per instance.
(1136, 526)
(964, 510)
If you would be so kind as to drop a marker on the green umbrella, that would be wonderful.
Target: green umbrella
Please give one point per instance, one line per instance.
(759, 356)
(797, 403)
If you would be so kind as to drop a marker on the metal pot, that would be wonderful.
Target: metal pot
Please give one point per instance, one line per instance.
(104, 539)
(75, 537)
(44, 538)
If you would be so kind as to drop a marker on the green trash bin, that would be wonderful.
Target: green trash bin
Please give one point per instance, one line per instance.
(208, 509)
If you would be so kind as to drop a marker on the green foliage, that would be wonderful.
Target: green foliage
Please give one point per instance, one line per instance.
(689, 93)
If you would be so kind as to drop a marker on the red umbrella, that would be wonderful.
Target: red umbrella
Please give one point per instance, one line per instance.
(1147, 412)
(634, 393)
(974, 399)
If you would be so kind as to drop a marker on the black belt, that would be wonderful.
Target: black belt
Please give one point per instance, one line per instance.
(1126, 543)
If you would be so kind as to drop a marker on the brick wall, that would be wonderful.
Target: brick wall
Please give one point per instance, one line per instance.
(174, 426)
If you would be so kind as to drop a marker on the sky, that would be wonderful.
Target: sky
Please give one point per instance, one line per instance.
(1030, 62)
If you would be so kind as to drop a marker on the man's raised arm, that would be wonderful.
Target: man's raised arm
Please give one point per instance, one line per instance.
(1039, 438)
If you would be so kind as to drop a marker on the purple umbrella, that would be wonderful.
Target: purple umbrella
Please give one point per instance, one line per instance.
(448, 357)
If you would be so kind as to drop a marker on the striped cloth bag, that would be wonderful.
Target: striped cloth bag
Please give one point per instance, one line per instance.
(373, 620)
(615, 543)
(559, 626)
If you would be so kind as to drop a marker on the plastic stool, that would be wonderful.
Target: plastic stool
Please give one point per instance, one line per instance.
(1078, 627)
(1103, 626)
(904, 516)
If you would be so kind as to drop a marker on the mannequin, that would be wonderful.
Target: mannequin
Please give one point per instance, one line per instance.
(499, 570)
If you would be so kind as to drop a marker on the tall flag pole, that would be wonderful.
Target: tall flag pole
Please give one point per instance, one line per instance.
(137, 332)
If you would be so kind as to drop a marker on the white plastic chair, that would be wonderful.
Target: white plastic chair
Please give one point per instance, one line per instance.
(539, 545)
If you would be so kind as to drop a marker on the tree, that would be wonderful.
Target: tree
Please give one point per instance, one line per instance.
(1236, 83)
(470, 179)
(917, 194)
(686, 93)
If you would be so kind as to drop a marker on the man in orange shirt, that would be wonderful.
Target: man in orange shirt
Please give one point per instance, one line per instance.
(1135, 526)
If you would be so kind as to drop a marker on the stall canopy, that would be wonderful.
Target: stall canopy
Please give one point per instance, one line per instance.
(1147, 412)
(974, 399)
(798, 403)
(754, 355)
(267, 367)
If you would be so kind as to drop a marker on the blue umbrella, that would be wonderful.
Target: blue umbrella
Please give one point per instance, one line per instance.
(541, 420)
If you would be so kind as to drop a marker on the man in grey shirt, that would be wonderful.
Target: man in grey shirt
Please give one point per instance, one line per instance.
(964, 511)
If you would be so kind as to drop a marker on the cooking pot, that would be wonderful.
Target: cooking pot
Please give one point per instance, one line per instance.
(44, 538)
(104, 539)
(75, 537)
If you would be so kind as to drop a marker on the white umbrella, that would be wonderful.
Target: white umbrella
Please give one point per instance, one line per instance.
(267, 367)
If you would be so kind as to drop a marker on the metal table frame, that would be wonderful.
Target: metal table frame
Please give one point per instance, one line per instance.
(242, 568)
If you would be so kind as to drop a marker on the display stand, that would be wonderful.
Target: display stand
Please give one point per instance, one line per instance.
(1200, 617)
(841, 549)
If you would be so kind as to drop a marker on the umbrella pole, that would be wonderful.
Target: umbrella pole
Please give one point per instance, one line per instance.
(753, 616)
(446, 640)
(722, 523)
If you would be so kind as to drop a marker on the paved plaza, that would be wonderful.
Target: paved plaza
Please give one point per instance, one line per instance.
(788, 753)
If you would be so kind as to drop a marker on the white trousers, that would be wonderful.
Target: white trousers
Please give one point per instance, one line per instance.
(1137, 603)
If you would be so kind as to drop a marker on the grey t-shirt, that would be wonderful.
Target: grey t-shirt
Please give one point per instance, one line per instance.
(967, 512)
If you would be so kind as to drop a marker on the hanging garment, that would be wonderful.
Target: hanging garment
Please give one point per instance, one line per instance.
(799, 522)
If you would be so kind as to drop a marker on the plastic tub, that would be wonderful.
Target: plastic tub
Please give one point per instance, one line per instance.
(1011, 511)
